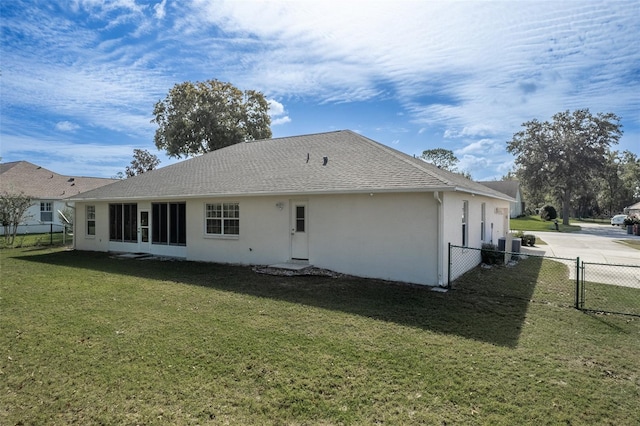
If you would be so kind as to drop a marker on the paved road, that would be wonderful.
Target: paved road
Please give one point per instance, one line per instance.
(595, 244)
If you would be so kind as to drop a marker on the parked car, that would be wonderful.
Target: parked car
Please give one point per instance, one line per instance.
(618, 220)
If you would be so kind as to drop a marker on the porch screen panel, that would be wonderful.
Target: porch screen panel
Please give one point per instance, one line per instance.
(177, 223)
(123, 222)
(169, 223)
(130, 220)
(159, 224)
(115, 221)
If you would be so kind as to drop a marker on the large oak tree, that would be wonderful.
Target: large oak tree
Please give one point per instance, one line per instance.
(566, 154)
(195, 118)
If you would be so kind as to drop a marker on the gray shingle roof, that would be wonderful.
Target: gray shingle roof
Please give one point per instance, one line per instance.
(291, 165)
(40, 183)
(508, 187)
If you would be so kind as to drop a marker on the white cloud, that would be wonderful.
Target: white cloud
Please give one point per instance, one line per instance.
(281, 120)
(483, 146)
(275, 108)
(277, 113)
(66, 126)
(499, 65)
(160, 9)
(469, 71)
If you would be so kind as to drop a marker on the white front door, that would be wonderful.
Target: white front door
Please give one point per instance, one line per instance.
(143, 231)
(299, 230)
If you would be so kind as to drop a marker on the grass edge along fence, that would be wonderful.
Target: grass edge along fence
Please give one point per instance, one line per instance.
(609, 288)
(595, 287)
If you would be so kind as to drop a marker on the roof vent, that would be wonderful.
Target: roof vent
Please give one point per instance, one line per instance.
(307, 157)
(71, 180)
(325, 160)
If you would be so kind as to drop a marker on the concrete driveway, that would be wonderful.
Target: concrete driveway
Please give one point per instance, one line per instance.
(594, 243)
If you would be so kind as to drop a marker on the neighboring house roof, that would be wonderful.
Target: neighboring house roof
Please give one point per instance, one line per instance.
(292, 165)
(40, 183)
(635, 206)
(508, 187)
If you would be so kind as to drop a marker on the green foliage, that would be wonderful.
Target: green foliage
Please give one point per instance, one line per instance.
(548, 212)
(13, 207)
(143, 161)
(444, 159)
(562, 157)
(491, 255)
(441, 158)
(205, 116)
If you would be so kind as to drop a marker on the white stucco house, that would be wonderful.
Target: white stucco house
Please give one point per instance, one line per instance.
(334, 200)
(48, 191)
(633, 209)
(512, 189)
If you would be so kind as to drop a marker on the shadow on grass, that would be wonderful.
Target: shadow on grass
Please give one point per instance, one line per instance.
(484, 305)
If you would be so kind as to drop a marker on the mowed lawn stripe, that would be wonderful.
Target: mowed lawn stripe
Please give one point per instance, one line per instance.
(90, 339)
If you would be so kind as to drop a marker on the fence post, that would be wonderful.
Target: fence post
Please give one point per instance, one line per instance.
(449, 267)
(577, 305)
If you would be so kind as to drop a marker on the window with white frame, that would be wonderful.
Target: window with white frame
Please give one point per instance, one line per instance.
(46, 211)
(465, 216)
(91, 220)
(222, 219)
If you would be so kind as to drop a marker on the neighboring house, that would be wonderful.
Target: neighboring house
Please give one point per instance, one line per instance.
(512, 189)
(48, 191)
(633, 209)
(334, 200)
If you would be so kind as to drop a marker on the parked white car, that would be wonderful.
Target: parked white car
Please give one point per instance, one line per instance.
(618, 219)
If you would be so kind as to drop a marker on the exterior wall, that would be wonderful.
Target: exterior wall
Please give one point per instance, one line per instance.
(383, 236)
(452, 209)
(391, 236)
(264, 232)
(496, 225)
(31, 223)
(98, 242)
(388, 236)
(516, 208)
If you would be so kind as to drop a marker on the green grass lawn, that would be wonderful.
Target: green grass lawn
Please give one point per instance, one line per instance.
(38, 240)
(89, 339)
(534, 223)
(631, 243)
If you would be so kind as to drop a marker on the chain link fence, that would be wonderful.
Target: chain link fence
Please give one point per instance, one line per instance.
(519, 275)
(39, 235)
(609, 288)
(544, 279)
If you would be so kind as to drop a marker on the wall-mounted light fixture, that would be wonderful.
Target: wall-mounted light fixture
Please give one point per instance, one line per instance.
(280, 205)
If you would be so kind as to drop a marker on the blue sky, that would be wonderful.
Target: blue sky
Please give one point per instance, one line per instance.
(79, 79)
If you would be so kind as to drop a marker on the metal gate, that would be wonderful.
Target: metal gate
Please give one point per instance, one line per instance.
(609, 288)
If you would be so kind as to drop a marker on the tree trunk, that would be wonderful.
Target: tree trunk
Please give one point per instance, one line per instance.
(566, 206)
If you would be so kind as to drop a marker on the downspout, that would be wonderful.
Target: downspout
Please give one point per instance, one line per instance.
(440, 239)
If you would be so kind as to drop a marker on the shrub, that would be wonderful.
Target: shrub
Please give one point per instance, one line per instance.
(528, 240)
(548, 212)
(490, 254)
